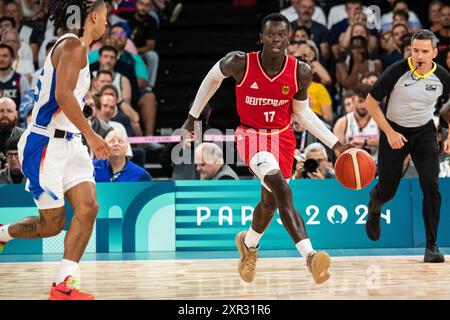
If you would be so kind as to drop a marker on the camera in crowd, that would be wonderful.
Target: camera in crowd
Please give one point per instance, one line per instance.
(310, 166)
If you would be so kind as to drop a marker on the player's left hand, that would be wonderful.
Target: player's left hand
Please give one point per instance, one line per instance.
(447, 145)
(339, 148)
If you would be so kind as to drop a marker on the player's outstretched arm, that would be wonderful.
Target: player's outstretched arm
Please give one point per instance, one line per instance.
(307, 118)
(233, 64)
(69, 58)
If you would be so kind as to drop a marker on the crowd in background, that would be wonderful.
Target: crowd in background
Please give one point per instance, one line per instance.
(345, 55)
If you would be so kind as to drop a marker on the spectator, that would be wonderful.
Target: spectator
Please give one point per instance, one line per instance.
(393, 44)
(144, 29)
(358, 127)
(354, 15)
(12, 84)
(302, 136)
(12, 174)
(118, 168)
(400, 17)
(8, 124)
(314, 164)
(301, 34)
(370, 78)
(124, 110)
(168, 9)
(318, 32)
(147, 99)
(24, 55)
(99, 126)
(406, 47)
(107, 111)
(6, 23)
(434, 16)
(358, 29)
(177, 159)
(387, 18)
(292, 15)
(107, 61)
(444, 34)
(350, 69)
(210, 163)
(307, 51)
(28, 35)
(349, 101)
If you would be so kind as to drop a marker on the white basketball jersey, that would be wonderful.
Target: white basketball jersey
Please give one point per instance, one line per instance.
(370, 131)
(46, 112)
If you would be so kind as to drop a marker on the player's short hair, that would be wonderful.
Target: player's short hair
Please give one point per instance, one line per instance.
(13, 22)
(276, 17)
(425, 34)
(362, 90)
(5, 46)
(108, 48)
(61, 13)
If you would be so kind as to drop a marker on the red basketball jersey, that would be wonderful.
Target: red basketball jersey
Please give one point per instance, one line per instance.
(264, 102)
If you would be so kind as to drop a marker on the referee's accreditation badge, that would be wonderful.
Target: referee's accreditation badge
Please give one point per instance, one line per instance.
(285, 89)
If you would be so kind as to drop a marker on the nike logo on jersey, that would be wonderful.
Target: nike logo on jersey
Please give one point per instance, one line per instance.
(254, 86)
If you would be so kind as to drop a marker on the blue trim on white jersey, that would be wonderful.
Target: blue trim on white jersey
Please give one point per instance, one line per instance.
(32, 156)
(46, 112)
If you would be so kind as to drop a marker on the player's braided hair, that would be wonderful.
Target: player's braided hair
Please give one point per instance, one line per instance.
(60, 12)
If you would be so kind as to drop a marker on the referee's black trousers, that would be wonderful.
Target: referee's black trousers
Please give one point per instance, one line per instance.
(423, 147)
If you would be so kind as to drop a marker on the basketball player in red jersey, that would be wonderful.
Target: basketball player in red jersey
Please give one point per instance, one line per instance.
(271, 87)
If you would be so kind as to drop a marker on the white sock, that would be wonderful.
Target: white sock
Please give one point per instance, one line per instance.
(252, 238)
(305, 247)
(4, 234)
(68, 268)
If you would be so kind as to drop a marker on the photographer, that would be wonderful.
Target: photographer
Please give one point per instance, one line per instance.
(313, 164)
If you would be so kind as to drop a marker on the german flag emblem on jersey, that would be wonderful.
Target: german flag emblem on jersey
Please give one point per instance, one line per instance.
(285, 89)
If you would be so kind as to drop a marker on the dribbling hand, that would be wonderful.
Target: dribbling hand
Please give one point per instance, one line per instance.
(396, 140)
(99, 147)
(339, 148)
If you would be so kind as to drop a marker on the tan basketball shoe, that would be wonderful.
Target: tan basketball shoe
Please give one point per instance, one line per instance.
(247, 261)
(318, 263)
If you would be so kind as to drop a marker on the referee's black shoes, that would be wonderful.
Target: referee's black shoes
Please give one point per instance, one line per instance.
(433, 255)
(373, 229)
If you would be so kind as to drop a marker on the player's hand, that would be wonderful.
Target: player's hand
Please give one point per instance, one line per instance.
(396, 140)
(190, 130)
(99, 146)
(339, 148)
(447, 145)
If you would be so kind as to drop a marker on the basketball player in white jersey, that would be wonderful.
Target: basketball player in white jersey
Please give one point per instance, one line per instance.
(358, 127)
(51, 153)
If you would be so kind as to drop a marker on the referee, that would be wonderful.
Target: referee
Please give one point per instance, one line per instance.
(415, 89)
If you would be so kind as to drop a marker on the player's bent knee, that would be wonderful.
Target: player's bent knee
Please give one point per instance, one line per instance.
(264, 164)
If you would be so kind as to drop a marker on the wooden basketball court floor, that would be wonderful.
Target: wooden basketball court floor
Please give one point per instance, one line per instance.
(202, 276)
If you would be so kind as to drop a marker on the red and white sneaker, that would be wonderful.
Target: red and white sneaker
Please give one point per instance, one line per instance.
(67, 290)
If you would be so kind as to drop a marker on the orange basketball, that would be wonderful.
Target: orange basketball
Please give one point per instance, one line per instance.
(355, 169)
